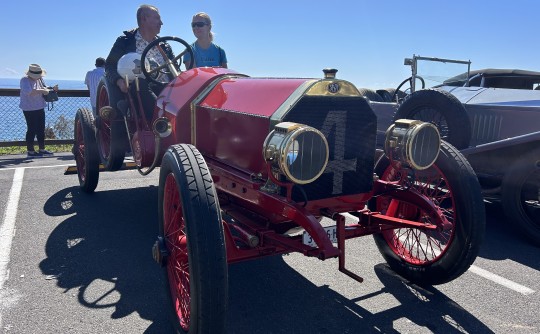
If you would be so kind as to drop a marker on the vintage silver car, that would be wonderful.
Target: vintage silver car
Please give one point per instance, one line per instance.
(492, 116)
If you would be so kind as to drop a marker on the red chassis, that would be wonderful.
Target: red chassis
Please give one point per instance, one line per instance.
(251, 167)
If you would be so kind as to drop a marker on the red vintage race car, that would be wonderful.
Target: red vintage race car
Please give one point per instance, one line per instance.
(252, 167)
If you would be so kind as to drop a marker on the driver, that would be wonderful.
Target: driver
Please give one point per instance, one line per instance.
(135, 40)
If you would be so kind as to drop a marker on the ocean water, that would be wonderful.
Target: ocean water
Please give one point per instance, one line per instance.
(62, 84)
(13, 125)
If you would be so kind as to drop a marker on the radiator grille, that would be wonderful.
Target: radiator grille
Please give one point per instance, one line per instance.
(486, 128)
(349, 124)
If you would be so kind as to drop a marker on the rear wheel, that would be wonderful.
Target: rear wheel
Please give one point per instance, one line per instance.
(85, 150)
(191, 235)
(520, 195)
(433, 257)
(111, 134)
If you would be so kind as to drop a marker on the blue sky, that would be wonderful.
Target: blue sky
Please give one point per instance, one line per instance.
(365, 40)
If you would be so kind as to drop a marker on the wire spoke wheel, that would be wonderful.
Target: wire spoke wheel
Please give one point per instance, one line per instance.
(433, 256)
(419, 247)
(176, 242)
(191, 228)
(110, 134)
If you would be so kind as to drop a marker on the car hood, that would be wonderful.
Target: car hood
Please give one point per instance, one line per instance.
(495, 96)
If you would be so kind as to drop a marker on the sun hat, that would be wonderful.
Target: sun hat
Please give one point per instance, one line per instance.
(35, 71)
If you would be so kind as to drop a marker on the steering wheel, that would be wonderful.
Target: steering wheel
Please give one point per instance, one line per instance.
(172, 65)
(409, 79)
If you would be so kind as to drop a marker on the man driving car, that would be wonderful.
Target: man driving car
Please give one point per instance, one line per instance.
(136, 40)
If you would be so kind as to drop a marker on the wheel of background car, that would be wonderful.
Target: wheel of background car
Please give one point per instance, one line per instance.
(433, 257)
(520, 194)
(370, 94)
(85, 150)
(191, 229)
(398, 90)
(443, 110)
(111, 135)
(169, 63)
(388, 93)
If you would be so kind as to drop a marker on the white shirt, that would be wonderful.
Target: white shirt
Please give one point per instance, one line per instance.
(92, 80)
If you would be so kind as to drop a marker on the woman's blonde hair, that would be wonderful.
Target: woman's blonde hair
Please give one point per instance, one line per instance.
(206, 19)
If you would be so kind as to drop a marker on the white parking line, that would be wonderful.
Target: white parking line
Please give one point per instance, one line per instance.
(7, 229)
(36, 167)
(501, 280)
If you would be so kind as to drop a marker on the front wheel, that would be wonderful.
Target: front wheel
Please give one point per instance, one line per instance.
(191, 235)
(433, 257)
(520, 195)
(85, 150)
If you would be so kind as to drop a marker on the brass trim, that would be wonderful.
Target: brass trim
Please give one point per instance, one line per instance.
(278, 142)
(313, 87)
(321, 88)
(288, 141)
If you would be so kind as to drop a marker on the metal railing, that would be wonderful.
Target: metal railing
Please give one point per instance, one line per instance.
(59, 120)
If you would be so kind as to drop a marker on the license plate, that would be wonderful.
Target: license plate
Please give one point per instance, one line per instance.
(331, 232)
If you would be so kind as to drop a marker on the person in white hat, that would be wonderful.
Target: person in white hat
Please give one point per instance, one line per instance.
(33, 107)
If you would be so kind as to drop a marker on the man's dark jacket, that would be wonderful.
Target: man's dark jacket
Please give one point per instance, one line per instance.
(126, 44)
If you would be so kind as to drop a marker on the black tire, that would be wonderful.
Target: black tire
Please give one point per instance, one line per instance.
(388, 93)
(520, 195)
(370, 94)
(441, 109)
(111, 135)
(85, 150)
(435, 257)
(189, 210)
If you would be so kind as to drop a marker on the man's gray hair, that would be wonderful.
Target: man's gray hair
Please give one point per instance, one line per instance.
(143, 10)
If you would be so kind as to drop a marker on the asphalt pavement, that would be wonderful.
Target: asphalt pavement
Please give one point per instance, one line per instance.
(77, 263)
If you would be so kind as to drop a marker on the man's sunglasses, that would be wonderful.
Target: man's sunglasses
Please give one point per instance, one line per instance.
(198, 24)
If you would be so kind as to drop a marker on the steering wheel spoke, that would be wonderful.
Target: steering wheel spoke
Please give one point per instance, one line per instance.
(172, 65)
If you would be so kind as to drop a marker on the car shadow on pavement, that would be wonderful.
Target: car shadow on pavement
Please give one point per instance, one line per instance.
(102, 251)
(503, 242)
(21, 160)
(11, 162)
(268, 296)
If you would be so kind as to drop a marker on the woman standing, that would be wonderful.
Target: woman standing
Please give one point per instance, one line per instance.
(33, 107)
(206, 52)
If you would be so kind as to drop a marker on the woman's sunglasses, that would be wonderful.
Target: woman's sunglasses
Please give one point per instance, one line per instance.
(198, 24)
